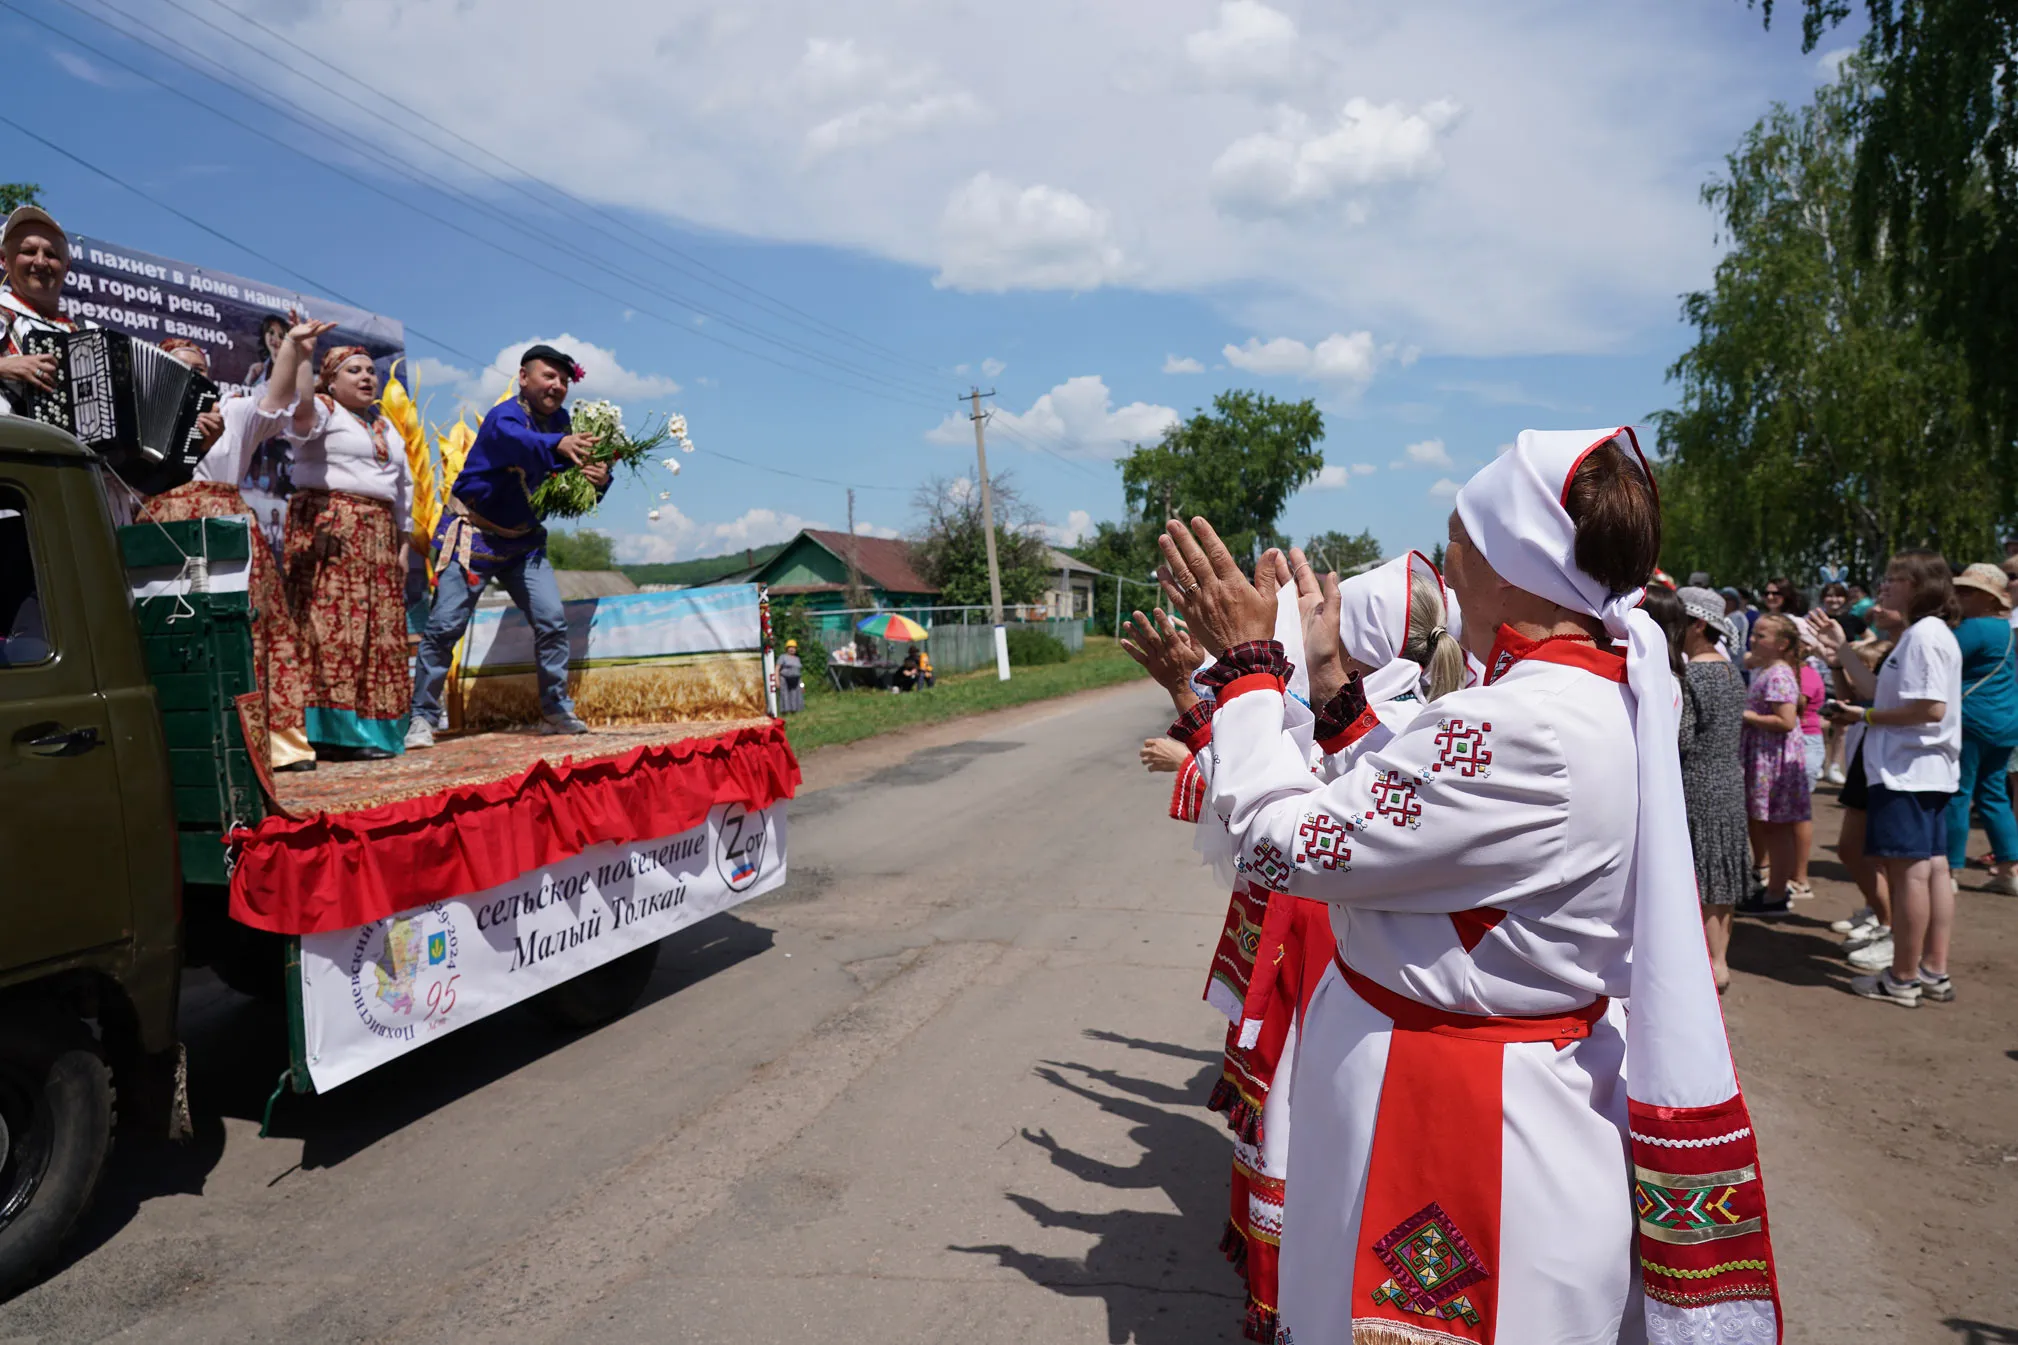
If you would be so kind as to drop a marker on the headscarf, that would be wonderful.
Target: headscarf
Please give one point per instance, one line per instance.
(334, 360)
(1682, 1090)
(1373, 623)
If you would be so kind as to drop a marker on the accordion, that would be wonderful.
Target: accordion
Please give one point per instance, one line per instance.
(131, 402)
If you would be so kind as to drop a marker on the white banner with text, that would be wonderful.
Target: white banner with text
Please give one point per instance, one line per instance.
(373, 993)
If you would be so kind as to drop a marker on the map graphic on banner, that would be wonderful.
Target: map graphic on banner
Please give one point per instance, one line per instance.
(373, 993)
(238, 322)
(693, 654)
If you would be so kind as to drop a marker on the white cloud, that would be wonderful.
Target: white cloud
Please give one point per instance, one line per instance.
(605, 375)
(1252, 48)
(1297, 165)
(88, 71)
(674, 536)
(1338, 358)
(1078, 418)
(875, 123)
(1427, 453)
(1329, 478)
(1076, 528)
(991, 366)
(997, 236)
(1443, 488)
(1181, 364)
(1564, 218)
(866, 529)
(1364, 469)
(1830, 63)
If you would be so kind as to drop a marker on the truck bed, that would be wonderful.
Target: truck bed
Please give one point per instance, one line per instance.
(459, 760)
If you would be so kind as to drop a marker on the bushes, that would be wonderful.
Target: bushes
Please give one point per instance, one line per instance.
(1028, 648)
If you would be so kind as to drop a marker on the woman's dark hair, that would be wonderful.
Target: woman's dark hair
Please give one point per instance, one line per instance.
(1666, 609)
(269, 321)
(1618, 520)
(1794, 603)
(1933, 584)
(1835, 588)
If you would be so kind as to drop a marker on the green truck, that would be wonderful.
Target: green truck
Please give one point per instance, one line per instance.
(123, 769)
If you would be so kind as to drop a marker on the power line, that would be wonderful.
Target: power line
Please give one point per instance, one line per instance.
(413, 173)
(214, 232)
(692, 261)
(780, 471)
(442, 220)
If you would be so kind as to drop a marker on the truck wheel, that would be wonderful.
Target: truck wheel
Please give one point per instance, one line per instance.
(55, 1131)
(595, 997)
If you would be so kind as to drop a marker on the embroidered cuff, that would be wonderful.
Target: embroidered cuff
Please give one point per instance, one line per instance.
(1253, 666)
(1194, 727)
(1345, 718)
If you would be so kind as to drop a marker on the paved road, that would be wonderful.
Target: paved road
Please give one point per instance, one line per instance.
(946, 1085)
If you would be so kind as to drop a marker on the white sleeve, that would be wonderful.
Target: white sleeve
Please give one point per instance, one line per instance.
(1930, 667)
(316, 430)
(1459, 810)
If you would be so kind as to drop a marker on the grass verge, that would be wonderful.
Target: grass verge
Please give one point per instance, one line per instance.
(832, 717)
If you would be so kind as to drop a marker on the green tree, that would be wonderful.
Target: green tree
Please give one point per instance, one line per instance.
(1342, 552)
(951, 546)
(584, 549)
(1936, 187)
(14, 194)
(1815, 399)
(1128, 550)
(1237, 465)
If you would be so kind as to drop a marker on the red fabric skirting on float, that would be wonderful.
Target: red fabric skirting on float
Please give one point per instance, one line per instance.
(330, 871)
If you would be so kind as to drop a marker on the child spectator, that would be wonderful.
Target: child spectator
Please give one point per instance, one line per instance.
(1776, 767)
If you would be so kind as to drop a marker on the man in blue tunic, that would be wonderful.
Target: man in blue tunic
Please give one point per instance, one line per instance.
(491, 531)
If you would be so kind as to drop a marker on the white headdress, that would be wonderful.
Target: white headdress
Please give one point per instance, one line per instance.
(1688, 1118)
(1373, 623)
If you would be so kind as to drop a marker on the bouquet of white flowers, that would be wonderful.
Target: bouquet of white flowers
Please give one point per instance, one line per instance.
(570, 494)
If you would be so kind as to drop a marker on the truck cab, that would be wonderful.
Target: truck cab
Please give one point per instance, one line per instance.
(90, 879)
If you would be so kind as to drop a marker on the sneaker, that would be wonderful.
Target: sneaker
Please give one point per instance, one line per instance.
(563, 723)
(1872, 956)
(2004, 884)
(1836, 776)
(1905, 994)
(1867, 935)
(1937, 986)
(1850, 924)
(1800, 892)
(419, 735)
(1758, 903)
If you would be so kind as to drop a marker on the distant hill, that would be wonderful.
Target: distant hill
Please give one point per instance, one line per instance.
(701, 571)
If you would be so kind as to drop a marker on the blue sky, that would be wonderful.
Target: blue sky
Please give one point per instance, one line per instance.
(1444, 221)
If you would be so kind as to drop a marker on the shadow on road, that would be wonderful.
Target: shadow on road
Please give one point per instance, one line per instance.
(1982, 1333)
(1160, 1274)
(1795, 950)
(238, 1049)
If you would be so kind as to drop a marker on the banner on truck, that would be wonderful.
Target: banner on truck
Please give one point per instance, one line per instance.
(695, 654)
(238, 322)
(373, 993)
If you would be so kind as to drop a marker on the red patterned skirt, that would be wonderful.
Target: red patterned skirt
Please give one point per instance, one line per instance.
(276, 653)
(345, 590)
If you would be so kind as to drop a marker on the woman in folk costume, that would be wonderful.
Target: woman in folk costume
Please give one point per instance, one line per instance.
(345, 560)
(237, 427)
(1274, 948)
(1469, 1164)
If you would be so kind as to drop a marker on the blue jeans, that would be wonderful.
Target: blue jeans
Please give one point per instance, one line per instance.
(530, 582)
(1983, 782)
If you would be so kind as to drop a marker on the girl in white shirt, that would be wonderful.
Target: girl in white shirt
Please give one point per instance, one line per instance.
(1912, 761)
(345, 556)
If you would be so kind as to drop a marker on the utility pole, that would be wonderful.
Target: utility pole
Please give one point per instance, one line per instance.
(974, 397)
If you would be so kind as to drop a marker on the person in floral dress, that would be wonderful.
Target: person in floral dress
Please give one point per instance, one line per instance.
(1776, 762)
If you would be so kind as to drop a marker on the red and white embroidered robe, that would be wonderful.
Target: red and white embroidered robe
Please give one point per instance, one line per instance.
(1462, 1184)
